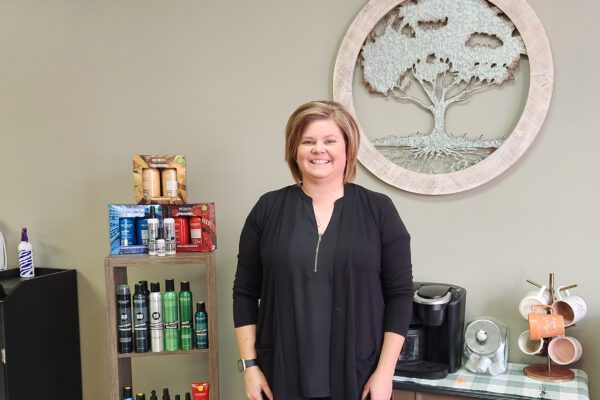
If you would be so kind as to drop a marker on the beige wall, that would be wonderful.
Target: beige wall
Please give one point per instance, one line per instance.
(84, 85)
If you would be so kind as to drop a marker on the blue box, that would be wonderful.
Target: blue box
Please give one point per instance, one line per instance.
(136, 211)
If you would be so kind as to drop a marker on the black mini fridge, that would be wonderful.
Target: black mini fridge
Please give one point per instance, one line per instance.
(39, 336)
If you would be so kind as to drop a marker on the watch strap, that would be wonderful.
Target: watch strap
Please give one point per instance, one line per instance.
(245, 364)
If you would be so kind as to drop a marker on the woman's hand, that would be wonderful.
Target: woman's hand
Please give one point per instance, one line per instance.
(379, 386)
(256, 384)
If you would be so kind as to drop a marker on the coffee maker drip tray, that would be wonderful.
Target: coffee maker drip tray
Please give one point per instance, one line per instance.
(421, 369)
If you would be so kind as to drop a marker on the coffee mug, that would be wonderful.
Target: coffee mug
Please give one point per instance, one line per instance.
(565, 350)
(537, 347)
(545, 325)
(571, 307)
(532, 299)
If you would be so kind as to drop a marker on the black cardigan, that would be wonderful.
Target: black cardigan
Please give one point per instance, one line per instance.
(372, 288)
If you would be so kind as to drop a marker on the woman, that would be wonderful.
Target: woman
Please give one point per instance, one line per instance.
(322, 296)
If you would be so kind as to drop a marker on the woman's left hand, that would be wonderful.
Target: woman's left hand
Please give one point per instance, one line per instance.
(379, 386)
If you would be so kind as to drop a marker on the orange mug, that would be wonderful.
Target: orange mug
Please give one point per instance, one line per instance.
(545, 325)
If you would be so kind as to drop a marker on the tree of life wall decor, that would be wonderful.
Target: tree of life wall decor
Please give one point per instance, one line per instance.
(436, 54)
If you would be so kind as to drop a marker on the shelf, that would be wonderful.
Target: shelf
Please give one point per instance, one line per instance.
(120, 365)
(163, 353)
(133, 260)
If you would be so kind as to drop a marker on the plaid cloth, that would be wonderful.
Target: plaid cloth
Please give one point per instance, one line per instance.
(514, 384)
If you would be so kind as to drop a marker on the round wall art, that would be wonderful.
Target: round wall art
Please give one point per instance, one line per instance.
(435, 55)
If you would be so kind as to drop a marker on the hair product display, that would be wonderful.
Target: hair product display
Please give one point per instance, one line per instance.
(125, 340)
(156, 322)
(201, 327)
(140, 327)
(150, 183)
(170, 316)
(185, 316)
(26, 267)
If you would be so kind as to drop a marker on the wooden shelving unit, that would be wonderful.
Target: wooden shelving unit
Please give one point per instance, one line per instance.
(115, 269)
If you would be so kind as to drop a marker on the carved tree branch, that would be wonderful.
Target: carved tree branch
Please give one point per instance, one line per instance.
(471, 88)
(399, 94)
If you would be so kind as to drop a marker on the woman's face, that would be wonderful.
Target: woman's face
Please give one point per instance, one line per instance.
(321, 154)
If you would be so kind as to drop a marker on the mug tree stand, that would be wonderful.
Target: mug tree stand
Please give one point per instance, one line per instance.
(549, 372)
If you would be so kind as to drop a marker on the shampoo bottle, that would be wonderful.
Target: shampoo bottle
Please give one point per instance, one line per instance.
(185, 316)
(170, 317)
(153, 395)
(25, 256)
(165, 395)
(160, 244)
(201, 326)
(125, 340)
(156, 322)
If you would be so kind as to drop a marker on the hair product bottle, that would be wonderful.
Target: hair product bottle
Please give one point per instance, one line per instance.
(140, 310)
(166, 395)
(169, 231)
(125, 343)
(185, 316)
(170, 316)
(127, 231)
(156, 322)
(182, 230)
(127, 392)
(160, 244)
(26, 267)
(188, 396)
(196, 230)
(201, 326)
(152, 232)
(169, 182)
(140, 396)
(141, 230)
(3, 263)
(153, 395)
(150, 183)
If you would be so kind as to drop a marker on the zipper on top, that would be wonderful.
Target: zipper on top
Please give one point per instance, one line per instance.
(317, 252)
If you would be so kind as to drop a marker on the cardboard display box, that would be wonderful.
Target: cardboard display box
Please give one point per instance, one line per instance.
(123, 224)
(159, 179)
(195, 226)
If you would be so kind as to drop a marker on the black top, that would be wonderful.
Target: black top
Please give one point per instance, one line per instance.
(371, 290)
(311, 259)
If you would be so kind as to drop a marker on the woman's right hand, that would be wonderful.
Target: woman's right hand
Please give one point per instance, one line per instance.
(256, 384)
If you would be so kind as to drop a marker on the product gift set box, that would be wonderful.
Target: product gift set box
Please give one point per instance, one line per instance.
(159, 179)
(159, 183)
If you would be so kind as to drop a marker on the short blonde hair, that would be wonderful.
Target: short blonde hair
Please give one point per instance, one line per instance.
(320, 110)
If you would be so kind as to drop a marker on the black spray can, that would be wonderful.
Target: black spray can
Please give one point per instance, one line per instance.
(124, 335)
(141, 324)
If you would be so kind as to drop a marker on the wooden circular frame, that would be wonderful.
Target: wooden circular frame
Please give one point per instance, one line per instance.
(541, 82)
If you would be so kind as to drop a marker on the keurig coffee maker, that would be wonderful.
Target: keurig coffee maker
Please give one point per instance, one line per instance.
(434, 343)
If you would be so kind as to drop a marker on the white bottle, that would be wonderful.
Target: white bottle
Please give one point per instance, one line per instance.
(169, 230)
(160, 244)
(152, 232)
(27, 269)
(156, 322)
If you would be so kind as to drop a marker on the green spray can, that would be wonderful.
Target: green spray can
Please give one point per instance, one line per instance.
(169, 304)
(186, 316)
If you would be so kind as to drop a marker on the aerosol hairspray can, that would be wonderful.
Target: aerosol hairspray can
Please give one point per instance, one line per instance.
(26, 267)
(140, 310)
(156, 322)
(170, 316)
(201, 326)
(152, 232)
(186, 316)
(125, 341)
